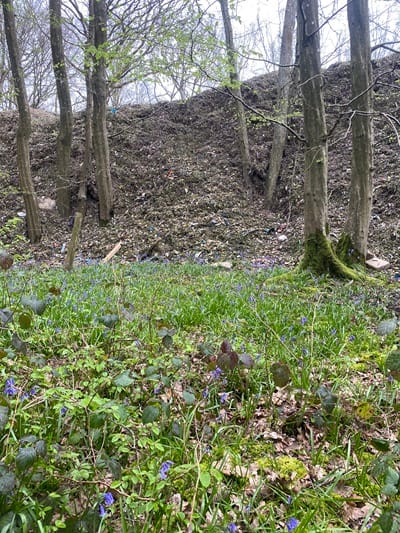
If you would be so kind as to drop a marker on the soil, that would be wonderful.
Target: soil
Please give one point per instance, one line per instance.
(177, 182)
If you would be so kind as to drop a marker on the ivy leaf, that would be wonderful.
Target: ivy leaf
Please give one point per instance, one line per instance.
(19, 344)
(123, 380)
(25, 320)
(109, 320)
(150, 414)
(246, 360)
(188, 397)
(386, 327)
(8, 481)
(25, 458)
(280, 374)
(36, 305)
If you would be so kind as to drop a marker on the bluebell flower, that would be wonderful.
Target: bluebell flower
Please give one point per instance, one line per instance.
(108, 499)
(303, 320)
(223, 397)
(63, 410)
(231, 528)
(352, 338)
(164, 469)
(216, 374)
(205, 393)
(10, 389)
(102, 511)
(292, 523)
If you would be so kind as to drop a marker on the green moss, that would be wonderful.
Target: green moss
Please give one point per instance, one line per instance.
(347, 253)
(319, 258)
(288, 469)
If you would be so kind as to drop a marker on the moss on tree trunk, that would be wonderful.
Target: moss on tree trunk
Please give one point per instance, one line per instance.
(347, 253)
(320, 258)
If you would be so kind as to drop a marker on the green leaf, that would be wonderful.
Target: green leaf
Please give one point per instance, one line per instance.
(97, 419)
(4, 415)
(150, 414)
(5, 316)
(19, 344)
(109, 320)
(177, 362)
(392, 477)
(167, 341)
(280, 374)
(389, 490)
(328, 399)
(386, 327)
(41, 448)
(392, 364)
(205, 479)
(123, 380)
(25, 320)
(381, 445)
(188, 397)
(36, 305)
(25, 458)
(8, 481)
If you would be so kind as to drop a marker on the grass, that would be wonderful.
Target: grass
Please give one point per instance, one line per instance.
(175, 398)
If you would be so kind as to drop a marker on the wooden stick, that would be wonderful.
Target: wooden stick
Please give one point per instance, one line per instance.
(111, 254)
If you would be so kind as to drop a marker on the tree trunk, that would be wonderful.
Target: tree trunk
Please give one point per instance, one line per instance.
(235, 89)
(24, 126)
(100, 139)
(352, 246)
(284, 83)
(318, 254)
(64, 138)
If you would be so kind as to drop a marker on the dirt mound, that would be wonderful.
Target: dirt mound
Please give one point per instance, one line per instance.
(178, 191)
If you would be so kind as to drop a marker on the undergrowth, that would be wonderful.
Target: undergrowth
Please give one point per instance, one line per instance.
(167, 398)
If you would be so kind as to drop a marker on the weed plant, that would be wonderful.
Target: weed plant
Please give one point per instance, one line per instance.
(167, 398)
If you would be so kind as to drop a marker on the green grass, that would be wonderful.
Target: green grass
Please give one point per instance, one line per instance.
(116, 389)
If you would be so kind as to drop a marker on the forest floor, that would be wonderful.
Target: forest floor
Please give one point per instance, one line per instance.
(177, 184)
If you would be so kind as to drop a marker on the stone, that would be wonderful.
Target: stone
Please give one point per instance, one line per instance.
(377, 264)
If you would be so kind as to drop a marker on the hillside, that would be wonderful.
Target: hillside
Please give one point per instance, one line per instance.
(177, 183)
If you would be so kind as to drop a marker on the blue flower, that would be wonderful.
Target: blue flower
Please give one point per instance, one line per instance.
(303, 320)
(10, 389)
(108, 499)
(352, 338)
(292, 523)
(231, 528)
(223, 397)
(102, 511)
(216, 374)
(164, 469)
(205, 393)
(63, 410)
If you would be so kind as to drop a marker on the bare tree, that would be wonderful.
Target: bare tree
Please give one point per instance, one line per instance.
(64, 138)
(319, 256)
(284, 82)
(100, 139)
(352, 246)
(242, 136)
(24, 125)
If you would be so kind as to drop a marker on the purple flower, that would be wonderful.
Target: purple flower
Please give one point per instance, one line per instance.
(10, 389)
(223, 397)
(216, 374)
(108, 499)
(231, 528)
(63, 411)
(303, 320)
(292, 523)
(352, 338)
(164, 469)
(102, 511)
(205, 393)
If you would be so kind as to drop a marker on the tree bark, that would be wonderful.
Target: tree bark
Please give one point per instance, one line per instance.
(100, 139)
(64, 138)
(284, 84)
(352, 246)
(319, 256)
(242, 136)
(24, 126)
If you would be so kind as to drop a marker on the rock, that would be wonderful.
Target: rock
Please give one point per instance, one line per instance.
(222, 264)
(377, 264)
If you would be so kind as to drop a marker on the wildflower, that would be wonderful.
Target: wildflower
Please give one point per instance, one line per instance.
(108, 499)
(164, 469)
(216, 374)
(10, 389)
(102, 511)
(352, 338)
(292, 523)
(333, 331)
(158, 389)
(231, 528)
(63, 411)
(303, 320)
(289, 500)
(223, 397)
(283, 338)
(205, 393)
